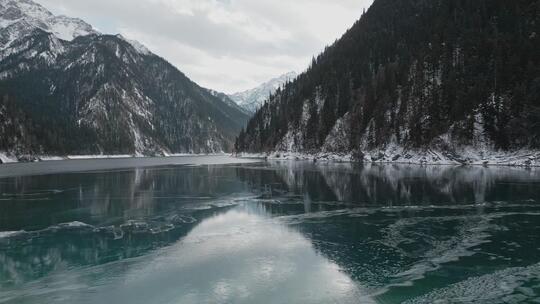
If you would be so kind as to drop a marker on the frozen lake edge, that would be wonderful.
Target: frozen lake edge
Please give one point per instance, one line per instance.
(97, 164)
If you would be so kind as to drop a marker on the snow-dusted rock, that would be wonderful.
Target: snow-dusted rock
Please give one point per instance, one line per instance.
(5, 158)
(19, 18)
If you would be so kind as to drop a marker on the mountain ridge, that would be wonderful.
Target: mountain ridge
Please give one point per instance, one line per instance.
(19, 18)
(251, 100)
(103, 94)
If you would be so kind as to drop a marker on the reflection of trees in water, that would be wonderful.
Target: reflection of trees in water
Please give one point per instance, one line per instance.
(158, 196)
(378, 246)
(118, 193)
(402, 184)
(42, 201)
(141, 191)
(141, 210)
(400, 246)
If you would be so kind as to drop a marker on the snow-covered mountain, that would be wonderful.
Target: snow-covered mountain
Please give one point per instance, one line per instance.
(18, 18)
(67, 89)
(252, 100)
(226, 99)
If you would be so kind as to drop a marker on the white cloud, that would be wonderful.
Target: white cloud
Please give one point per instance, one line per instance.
(227, 45)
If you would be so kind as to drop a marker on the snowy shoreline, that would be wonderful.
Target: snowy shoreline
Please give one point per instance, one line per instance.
(97, 164)
(467, 157)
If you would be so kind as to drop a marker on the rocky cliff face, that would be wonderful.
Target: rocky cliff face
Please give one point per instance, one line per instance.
(66, 89)
(415, 80)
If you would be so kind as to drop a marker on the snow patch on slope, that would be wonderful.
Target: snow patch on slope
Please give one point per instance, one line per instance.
(68, 29)
(337, 140)
(400, 155)
(139, 47)
(6, 159)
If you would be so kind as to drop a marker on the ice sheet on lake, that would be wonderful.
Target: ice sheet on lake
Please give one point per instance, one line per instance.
(8, 234)
(78, 165)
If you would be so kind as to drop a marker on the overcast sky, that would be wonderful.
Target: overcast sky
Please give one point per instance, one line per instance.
(226, 45)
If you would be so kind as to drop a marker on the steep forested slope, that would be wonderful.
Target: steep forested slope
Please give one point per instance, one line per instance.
(451, 76)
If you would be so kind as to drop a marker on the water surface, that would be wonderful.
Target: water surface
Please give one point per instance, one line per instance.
(280, 232)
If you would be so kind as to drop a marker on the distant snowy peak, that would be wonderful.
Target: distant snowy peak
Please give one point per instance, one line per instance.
(251, 100)
(19, 18)
(227, 100)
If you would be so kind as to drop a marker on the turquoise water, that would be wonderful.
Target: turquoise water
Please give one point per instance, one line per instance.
(282, 232)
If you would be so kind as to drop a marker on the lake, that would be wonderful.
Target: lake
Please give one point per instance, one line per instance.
(269, 232)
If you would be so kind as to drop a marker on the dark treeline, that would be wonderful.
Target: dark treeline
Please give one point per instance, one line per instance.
(410, 71)
(21, 134)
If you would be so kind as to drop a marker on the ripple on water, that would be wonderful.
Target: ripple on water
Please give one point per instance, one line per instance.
(470, 232)
(512, 285)
(118, 231)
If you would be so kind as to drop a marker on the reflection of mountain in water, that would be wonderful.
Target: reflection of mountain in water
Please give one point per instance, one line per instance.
(183, 224)
(401, 253)
(37, 202)
(402, 184)
(74, 220)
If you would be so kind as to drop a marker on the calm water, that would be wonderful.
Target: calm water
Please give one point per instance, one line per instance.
(290, 232)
